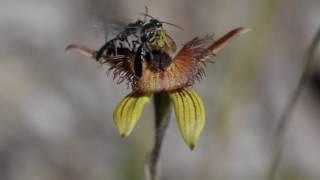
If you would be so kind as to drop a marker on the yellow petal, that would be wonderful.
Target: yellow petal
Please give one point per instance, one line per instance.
(128, 112)
(190, 114)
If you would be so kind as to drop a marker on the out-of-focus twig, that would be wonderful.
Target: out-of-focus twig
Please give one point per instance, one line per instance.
(162, 117)
(286, 115)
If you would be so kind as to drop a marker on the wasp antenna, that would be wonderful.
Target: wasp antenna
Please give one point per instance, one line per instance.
(147, 15)
(146, 12)
(174, 25)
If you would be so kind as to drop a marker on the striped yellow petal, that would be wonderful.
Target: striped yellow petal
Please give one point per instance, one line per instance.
(128, 112)
(190, 114)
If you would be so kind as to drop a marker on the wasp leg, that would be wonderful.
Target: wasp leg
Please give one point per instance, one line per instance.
(115, 50)
(104, 48)
(134, 45)
(128, 43)
(150, 52)
(138, 61)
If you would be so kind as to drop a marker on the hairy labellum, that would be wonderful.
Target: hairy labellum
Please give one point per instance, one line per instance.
(162, 72)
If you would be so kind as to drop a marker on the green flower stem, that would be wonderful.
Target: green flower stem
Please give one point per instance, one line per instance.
(162, 116)
(285, 117)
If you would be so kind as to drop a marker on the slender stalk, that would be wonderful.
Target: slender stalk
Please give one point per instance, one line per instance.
(162, 117)
(285, 116)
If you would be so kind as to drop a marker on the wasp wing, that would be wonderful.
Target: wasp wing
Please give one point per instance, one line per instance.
(170, 44)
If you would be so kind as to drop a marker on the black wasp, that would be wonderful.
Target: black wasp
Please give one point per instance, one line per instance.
(147, 36)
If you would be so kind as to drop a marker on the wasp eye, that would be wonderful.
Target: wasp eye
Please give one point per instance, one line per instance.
(150, 34)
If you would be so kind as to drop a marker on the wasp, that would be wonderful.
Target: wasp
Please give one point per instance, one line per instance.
(148, 38)
(154, 41)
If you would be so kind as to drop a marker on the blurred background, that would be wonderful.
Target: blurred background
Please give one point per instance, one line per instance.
(56, 106)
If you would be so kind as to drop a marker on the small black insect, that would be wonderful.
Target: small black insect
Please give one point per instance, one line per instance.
(141, 38)
(144, 35)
